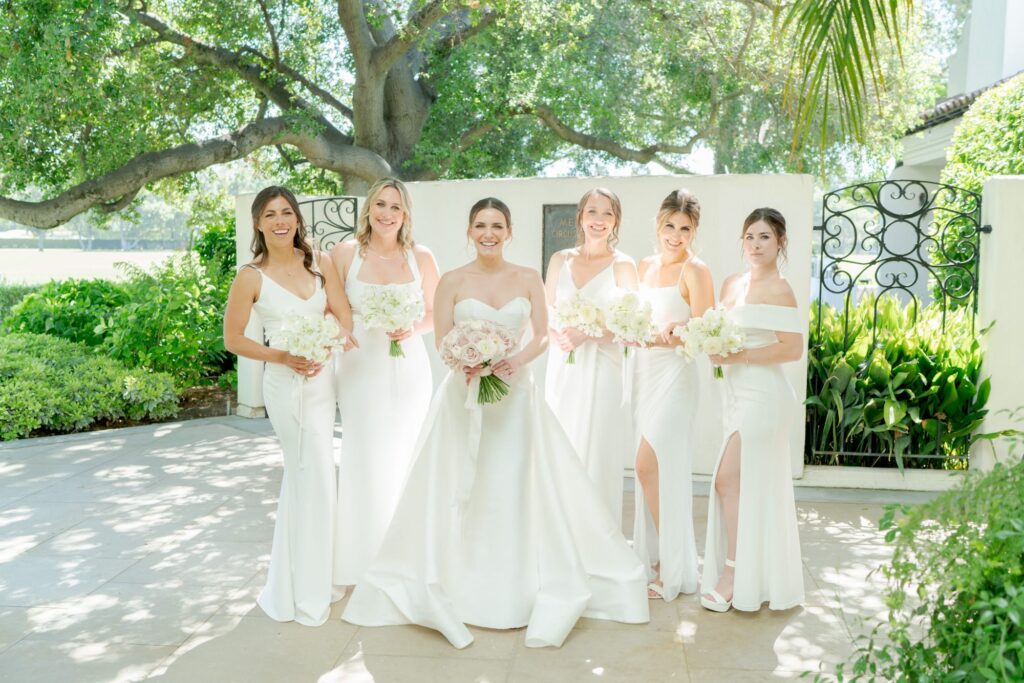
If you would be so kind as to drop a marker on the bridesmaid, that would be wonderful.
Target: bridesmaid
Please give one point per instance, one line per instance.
(677, 284)
(286, 276)
(383, 399)
(588, 396)
(752, 554)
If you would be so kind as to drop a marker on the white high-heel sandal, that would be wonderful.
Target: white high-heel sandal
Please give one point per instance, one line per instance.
(718, 603)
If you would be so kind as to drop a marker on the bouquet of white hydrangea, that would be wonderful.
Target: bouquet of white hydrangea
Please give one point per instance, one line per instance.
(581, 313)
(713, 333)
(389, 308)
(630, 319)
(309, 336)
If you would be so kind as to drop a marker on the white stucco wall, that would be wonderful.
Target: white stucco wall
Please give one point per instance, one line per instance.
(1002, 253)
(440, 214)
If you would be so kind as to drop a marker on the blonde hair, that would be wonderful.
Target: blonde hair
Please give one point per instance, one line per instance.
(678, 201)
(363, 229)
(613, 238)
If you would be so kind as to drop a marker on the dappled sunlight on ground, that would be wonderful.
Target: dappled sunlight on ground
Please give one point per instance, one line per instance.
(140, 552)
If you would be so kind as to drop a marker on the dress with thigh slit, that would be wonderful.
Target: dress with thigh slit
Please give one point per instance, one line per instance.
(759, 405)
(665, 408)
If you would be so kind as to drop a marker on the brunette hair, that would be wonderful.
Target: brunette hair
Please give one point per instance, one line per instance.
(613, 238)
(491, 203)
(775, 220)
(259, 242)
(363, 229)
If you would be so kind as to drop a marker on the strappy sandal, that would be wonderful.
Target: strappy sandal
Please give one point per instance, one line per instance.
(717, 603)
(659, 591)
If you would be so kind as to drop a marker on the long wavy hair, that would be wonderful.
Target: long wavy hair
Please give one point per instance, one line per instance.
(363, 229)
(775, 220)
(259, 242)
(613, 237)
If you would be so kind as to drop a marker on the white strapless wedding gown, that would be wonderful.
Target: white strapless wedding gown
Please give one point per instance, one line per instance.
(498, 525)
(759, 405)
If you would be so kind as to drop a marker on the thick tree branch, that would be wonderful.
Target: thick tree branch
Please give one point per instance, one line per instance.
(388, 53)
(620, 151)
(352, 17)
(115, 189)
(252, 73)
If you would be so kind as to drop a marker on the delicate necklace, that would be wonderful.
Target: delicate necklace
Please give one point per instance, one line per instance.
(381, 256)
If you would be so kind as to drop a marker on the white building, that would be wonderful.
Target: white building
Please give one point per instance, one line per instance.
(990, 51)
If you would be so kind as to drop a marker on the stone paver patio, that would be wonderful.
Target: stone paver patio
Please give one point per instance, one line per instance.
(138, 553)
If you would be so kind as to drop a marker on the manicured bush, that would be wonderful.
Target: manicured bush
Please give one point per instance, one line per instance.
(917, 390)
(171, 321)
(955, 588)
(52, 384)
(11, 295)
(70, 309)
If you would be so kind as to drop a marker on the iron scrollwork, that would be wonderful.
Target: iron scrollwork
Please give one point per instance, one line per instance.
(330, 220)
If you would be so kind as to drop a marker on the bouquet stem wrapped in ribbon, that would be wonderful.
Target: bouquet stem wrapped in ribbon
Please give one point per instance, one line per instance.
(713, 333)
(581, 313)
(390, 308)
(473, 343)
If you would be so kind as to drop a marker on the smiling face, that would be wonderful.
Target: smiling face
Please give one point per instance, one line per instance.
(278, 222)
(488, 230)
(761, 245)
(676, 234)
(598, 219)
(387, 213)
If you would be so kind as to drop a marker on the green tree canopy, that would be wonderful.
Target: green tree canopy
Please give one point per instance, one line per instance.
(102, 98)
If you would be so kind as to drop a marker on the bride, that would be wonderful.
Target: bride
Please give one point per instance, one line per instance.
(501, 529)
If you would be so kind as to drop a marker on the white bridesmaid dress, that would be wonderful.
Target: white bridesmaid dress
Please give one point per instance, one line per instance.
(301, 410)
(759, 407)
(498, 525)
(665, 408)
(588, 396)
(383, 401)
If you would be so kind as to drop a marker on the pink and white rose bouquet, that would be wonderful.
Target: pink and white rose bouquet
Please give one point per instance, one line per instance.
(473, 343)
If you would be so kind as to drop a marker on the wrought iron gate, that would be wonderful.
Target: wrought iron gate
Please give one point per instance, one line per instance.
(885, 248)
(330, 220)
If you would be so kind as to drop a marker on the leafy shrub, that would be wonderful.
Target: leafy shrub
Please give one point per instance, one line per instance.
(70, 309)
(918, 390)
(215, 245)
(955, 588)
(62, 386)
(171, 321)
(11, 295)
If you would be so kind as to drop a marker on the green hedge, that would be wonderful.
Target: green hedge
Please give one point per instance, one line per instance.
(919, 390)
(70, 309)
(52, 384)
(167, 319)
(955, 588)
(11, 295)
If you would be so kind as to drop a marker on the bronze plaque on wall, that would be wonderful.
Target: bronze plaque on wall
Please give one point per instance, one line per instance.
(559, 230)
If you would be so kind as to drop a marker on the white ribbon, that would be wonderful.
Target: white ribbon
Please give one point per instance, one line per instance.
(472, 404)
(627, 376)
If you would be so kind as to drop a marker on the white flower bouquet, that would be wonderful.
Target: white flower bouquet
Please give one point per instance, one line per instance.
(389, 308)
(630, 319)
(582, 313)
(479, 342)
(309, 336)
(713, 333)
